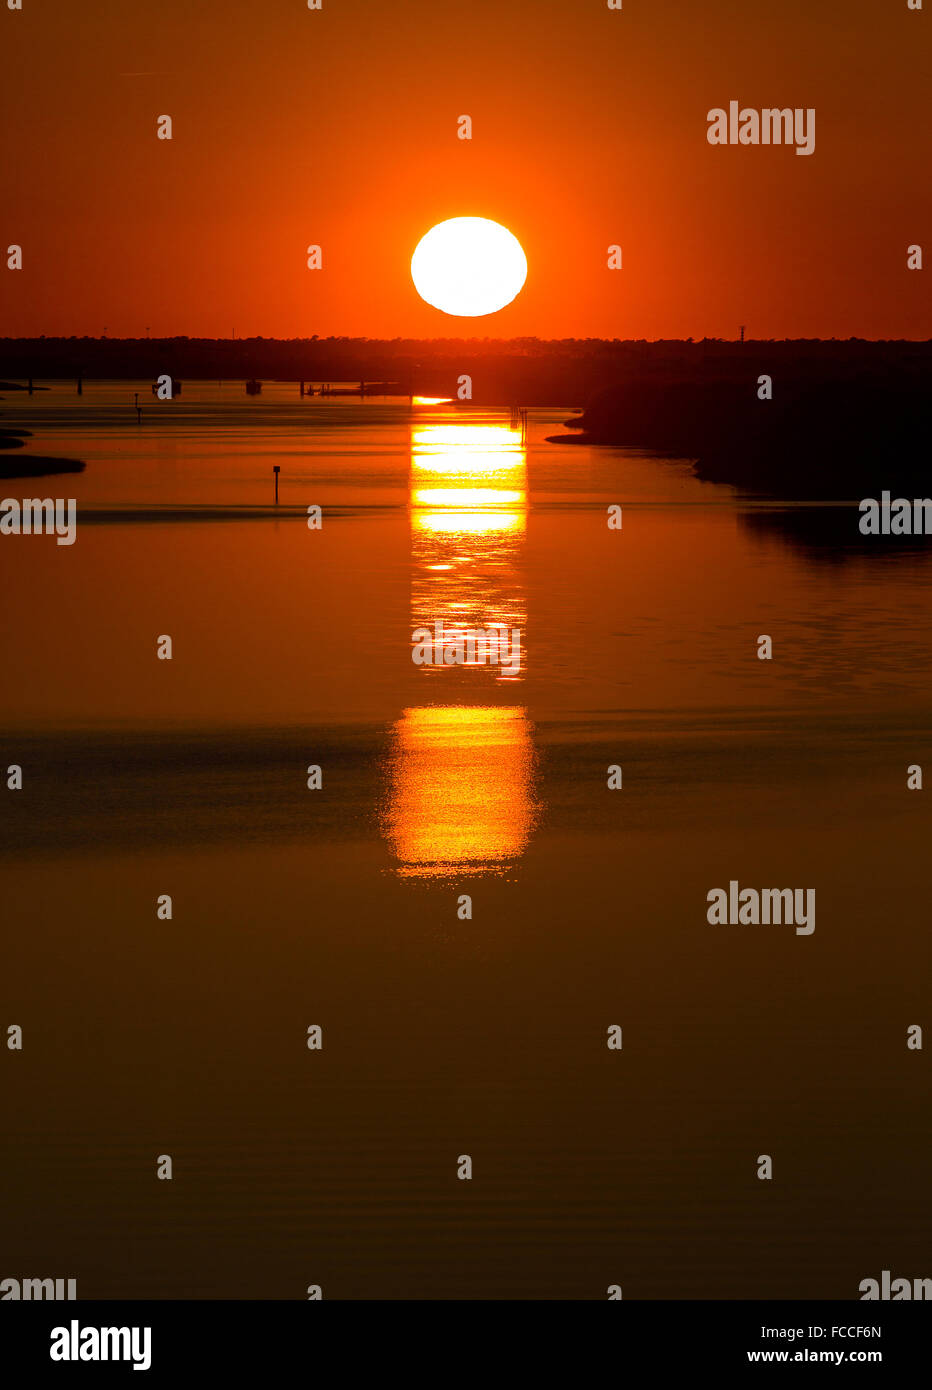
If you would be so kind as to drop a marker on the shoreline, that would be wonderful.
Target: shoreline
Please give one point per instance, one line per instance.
(31, 465)
(780, 436)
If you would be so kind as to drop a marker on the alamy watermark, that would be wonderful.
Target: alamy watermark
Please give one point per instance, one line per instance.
(77, 1343)
(772, 125)
(40, 516)
(494, 645)
(752, 906)
(54, 1290)
(893, 1290)
(901, 516)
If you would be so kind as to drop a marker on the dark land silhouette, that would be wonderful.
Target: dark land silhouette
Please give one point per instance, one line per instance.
(825, 435)
(846, 417)
(522, 371)
(30, 465)
(837, 423)
(827, 535)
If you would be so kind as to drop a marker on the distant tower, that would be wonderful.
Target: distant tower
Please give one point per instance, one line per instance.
(742, 333)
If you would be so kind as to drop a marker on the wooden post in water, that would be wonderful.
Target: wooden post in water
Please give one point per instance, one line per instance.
(30, 386)
(80, 386)
(276, 470)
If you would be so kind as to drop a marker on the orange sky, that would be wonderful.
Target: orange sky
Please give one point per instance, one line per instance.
(339, 127)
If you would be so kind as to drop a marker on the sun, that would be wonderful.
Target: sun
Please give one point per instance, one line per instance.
(468, 266)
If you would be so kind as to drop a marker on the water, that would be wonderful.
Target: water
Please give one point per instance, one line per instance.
(338, 907)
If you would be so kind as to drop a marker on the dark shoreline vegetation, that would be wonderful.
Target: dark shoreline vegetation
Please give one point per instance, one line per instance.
(846, 418)
(31, 465)
(513, 371)
(822, 437)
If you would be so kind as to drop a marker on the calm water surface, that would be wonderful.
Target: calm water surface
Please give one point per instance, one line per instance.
(442, 1036)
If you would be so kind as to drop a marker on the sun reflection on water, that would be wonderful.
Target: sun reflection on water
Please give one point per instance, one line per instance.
(460, 797)
(461, 789)
(468, 518)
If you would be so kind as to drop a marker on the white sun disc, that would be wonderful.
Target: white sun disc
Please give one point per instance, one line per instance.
(468, 266)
